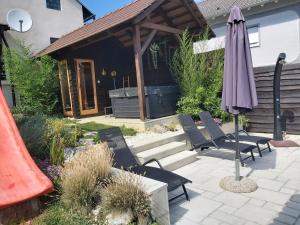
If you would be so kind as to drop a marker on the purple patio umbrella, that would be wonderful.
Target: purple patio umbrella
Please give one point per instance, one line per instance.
(239, 91)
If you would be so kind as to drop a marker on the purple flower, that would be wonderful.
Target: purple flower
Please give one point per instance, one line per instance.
(51, 171)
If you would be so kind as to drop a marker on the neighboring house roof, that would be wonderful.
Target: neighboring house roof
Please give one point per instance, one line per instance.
(214, 8)
(118, 17)
(87, 14)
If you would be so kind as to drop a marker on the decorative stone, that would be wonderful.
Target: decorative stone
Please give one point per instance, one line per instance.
(120, 218)
(142, 220)
(159, 129)
(244, 185)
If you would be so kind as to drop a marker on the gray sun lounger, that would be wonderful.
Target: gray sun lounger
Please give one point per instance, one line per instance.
(198, 140)
(217, 133)
(123, 158)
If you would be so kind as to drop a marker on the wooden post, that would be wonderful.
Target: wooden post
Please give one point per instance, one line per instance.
(139, 70)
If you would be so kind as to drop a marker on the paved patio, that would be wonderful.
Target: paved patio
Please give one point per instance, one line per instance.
(276, 202)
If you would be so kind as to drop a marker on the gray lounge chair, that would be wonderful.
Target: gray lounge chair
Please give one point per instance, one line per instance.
(124, 159)
(198, 140)
(216, 133)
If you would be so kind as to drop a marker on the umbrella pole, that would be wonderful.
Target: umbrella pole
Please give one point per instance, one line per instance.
(237, 152)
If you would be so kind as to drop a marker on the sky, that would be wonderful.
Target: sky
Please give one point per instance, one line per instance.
(103, 7)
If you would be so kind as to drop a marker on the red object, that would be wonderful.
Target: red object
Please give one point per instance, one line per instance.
(20, 178)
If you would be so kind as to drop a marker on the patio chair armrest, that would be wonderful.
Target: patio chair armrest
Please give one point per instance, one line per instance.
(230, 135)
(243, 131)
(153, 160)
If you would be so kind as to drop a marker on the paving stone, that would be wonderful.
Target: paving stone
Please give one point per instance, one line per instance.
(288, 190)
(227, 218)
(292, 173)
(275, 207)
(271, 196)
(232, 199)
(294, 205)
(210, 221)
(185, 222)
(211, 185)
(293, 184)
(285, 219)
(284, 209)
(250, 223)
(276, 223)
(196, 210)
(228, 209)
(269, 184)
(209, 195)
(296, 198)
(256, 214)
(257, 202)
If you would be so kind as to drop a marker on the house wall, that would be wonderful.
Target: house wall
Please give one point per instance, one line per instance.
(46, 23)
(278, 30)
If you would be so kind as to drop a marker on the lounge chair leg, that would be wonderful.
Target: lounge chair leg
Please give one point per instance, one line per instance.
(185, 192)
(258, 149)
(252, 155)
(270, 150)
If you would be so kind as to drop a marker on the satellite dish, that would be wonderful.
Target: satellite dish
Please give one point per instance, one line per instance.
(19, 20)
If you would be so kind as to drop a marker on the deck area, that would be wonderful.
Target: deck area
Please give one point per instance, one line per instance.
(132, 123)
(276, 202)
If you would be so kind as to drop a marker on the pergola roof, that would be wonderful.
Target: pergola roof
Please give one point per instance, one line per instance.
(180, 14)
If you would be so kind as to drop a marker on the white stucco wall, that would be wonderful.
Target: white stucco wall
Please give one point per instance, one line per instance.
(279, 32)
(46, 22)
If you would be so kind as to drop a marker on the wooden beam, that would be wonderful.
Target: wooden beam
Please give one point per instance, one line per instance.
(139, 70)
(161, 27)
(164, 15)
(147, 12)
(148, 41)
(188, 6)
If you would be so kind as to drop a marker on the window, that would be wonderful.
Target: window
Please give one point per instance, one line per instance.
(53, 4)
(254, 36)
(52, 40)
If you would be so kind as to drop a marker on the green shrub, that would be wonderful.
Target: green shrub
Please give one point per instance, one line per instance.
(85, 175)
(58, 215)
(61, 133)
(33, 133)
(47, 137)
(126, 192)
(199, 77)
(35, 80)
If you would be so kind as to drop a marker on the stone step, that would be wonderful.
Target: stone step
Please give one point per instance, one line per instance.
(177, 160)
(161, 151)
(156, 142)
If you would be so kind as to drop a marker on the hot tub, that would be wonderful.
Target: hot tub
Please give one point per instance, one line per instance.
(160, 101)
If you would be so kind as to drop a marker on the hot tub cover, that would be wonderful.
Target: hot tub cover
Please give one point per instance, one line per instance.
(20, 178)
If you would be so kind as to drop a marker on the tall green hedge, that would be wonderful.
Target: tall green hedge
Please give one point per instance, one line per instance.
(35, 80)
(199, 77)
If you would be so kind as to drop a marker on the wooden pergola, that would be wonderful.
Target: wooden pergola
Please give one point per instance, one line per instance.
(136, 25)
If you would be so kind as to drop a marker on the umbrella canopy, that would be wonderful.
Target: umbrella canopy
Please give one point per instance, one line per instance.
(239, 91)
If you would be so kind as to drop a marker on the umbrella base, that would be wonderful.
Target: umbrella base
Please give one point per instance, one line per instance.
(244, 185)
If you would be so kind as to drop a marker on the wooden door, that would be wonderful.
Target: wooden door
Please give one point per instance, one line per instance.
(86, 82)
(64, 80)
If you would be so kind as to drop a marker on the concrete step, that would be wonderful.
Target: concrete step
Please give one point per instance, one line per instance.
(161, 151)
(177, 160)
(156, 142)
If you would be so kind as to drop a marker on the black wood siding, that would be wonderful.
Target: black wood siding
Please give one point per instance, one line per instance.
(110, 55)
(261, 119)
